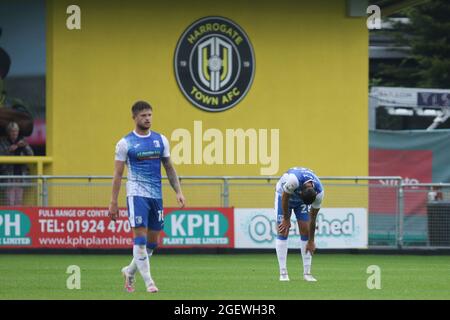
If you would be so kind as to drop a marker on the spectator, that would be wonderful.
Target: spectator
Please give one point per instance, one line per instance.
(14, 145)
(435, 194)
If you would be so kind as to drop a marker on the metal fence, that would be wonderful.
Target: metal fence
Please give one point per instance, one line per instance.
(399, 215)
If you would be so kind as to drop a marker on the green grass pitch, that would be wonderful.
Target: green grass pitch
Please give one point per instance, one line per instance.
(227, 276)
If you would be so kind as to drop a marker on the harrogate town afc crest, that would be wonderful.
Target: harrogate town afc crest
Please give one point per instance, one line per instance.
(214, 63)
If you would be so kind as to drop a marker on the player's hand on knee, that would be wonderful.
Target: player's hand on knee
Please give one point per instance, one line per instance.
(284, 227)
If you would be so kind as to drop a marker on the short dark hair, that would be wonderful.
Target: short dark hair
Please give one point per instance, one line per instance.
(140, 106)
(308, 195)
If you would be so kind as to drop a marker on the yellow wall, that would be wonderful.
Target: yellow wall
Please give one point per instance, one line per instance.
(311, 81)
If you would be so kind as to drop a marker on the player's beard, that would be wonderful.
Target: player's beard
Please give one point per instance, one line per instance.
(144, 127)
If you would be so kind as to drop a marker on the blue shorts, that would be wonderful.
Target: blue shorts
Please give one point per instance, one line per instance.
(301, 210)
(145, 212)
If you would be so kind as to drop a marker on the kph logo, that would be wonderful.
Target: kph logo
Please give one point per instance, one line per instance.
(14, 226)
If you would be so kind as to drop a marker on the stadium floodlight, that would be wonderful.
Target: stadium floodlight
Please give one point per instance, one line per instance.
(400, 112)
(429, 112)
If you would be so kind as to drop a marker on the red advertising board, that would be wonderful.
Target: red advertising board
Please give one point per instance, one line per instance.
(91, 228)
(65, 228)
(414, 166)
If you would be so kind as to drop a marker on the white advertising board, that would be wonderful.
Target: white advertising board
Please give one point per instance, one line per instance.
(336, 228)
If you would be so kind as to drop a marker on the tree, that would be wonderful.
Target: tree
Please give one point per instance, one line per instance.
(425, 40)
(428, 36)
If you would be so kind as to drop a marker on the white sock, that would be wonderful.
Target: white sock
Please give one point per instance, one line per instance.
(306, 257)
(143, 265)
(282, 250)
(132, 267)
